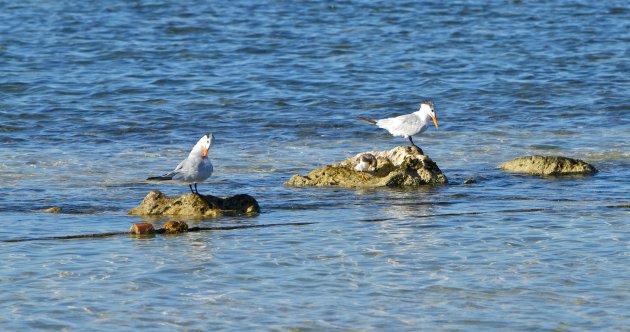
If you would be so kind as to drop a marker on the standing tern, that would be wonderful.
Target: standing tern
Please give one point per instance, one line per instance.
(409, 124)
(195, 168)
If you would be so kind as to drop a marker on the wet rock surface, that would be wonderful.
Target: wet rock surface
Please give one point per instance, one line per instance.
(548, 166)
(402, 166)
(193, 205)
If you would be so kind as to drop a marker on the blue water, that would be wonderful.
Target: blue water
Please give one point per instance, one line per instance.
(96, 97)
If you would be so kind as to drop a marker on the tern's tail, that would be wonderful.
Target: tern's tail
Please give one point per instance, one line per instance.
(160, 178)
(370, 121)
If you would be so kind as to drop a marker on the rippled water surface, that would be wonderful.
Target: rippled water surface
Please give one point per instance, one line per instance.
(96, 97)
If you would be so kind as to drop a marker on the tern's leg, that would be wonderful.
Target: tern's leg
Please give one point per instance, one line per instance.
(196, 189)
(410, 140)
(191, 190)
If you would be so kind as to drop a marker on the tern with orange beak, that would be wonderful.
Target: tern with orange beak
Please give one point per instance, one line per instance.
(194, 169)
(409, 124)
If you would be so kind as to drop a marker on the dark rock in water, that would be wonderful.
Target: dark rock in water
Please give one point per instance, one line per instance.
(470, 181)
(548, 166)
(402, 166)
(193, 205)
(173, 227)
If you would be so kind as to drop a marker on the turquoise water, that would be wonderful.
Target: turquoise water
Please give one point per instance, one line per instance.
(96, 97)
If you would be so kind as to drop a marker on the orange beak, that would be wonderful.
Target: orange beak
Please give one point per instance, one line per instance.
(434, 120)
(205, 153)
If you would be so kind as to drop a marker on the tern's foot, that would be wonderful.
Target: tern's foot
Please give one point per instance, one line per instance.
(417, 148)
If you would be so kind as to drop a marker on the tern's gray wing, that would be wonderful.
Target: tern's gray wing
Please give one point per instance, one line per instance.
(170, 175)
(404, 125)
(177, 169)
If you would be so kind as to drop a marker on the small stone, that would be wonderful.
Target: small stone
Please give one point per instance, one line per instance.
(172, 227)
(54, 209)
(142, 228)
(470, 181)
(548, 166)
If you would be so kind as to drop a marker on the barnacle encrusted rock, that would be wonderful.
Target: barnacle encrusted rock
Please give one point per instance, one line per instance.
(548, 166)
(402, 166)
(193, 205)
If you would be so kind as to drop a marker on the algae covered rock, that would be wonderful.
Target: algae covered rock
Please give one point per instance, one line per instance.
(402, 166)
(193, 205)
(174, 227)
(548, 166)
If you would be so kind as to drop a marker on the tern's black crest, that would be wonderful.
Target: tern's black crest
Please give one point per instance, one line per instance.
(430, 103)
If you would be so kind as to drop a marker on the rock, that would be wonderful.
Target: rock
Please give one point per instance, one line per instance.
(54, 209)
(402, 166)
(173, 227)
(627, 206)
(142, 228)
(193, 205)
(470, 181)
(548, 166)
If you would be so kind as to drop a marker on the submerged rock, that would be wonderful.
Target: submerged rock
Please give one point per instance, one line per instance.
(193, 205)
(548, 166)
(54, 209)
(627, 206)
(402, 166)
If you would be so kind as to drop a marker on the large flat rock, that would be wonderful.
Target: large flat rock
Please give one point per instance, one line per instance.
(402, 166)
(548, 166)
(193, 205)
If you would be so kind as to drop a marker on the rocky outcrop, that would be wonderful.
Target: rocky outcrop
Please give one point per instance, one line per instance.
(193, 205)
(548, 166)
(403, 166)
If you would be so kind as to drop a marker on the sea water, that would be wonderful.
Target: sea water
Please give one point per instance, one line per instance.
(95, 97)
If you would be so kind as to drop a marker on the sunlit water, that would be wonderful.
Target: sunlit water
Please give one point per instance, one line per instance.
(95, 98)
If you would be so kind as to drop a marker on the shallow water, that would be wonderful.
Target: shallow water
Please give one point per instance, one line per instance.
(93, 99)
